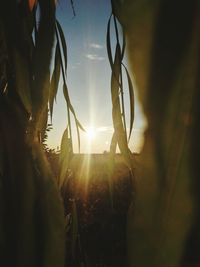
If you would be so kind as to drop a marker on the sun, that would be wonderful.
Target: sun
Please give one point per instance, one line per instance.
(91, 133)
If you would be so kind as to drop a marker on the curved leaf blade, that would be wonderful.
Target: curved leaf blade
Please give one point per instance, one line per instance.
(116, 110)
(65, 156)
(123, 45)
(78, 124)
(64, 46)
(54, 80)
(66, 95)
(132, 100)
(109, 50)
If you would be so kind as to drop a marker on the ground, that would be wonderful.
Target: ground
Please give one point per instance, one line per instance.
(100, 199)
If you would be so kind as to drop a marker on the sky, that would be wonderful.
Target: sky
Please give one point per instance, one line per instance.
(88, 79)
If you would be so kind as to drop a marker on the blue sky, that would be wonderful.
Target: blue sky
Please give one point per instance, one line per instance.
(88, 78)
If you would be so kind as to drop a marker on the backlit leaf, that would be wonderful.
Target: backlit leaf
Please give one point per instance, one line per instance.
(131, 98)
(78, 124)
(109, 50)
(78, 134)
(65, 156)
(54, 80)
(113, 144)
(116, 110)
(123, 45)
(64, 46)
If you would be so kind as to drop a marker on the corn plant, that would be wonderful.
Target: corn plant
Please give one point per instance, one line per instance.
(164, 225)
(32, 221)
(120, 135)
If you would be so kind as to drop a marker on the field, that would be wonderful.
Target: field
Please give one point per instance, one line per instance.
(96, 203)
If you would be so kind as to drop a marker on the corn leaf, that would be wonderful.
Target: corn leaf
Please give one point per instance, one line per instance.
(113, 144)
(109, 50)
(116, 29)
(64, 46)
(78, 124)
(63, 145)
(54, 80)
(78, 136)
(42, 57)
(123, 46)
(116, 110)
(131, 97)
(65, 156)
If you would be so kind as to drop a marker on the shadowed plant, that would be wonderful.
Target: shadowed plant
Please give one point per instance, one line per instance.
(120, 136)
(33, 58)
(32, 216)
(164, 45)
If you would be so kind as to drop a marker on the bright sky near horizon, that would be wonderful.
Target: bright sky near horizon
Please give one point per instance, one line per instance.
(88, 79)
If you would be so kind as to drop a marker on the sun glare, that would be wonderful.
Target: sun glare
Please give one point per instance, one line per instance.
(91, 133)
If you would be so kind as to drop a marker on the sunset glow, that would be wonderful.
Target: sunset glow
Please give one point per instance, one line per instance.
(91, 133)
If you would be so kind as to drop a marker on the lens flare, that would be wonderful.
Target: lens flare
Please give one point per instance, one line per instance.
(91, 133)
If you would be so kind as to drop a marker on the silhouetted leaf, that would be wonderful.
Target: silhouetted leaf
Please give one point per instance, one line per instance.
(42, 57)
(123, 45)
(116, 110)
(78, 134)
(54, 80)
(109, 50)
(65, 156)
(78, 124)
(113, 144)
(131, 98)
(64, 46)
(116, 29)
